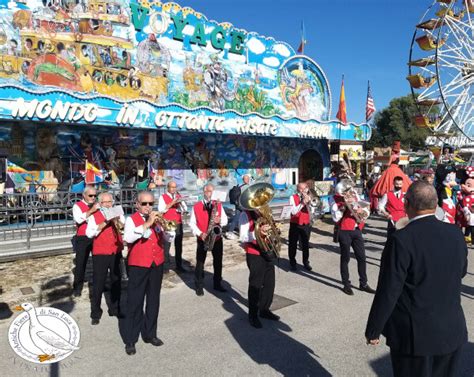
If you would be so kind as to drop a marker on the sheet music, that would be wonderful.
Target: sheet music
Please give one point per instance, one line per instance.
(285, 213)
(112, 213)
(219, 195)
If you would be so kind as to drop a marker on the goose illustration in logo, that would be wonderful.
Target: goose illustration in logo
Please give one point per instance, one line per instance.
(33, 338)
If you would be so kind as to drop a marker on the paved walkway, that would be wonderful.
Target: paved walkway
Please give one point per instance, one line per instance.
(321, 332)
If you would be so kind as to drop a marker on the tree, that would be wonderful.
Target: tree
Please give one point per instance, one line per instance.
(396, 123)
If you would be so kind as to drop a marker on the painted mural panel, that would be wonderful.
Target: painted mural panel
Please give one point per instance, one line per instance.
(54, 156)
(154, 56)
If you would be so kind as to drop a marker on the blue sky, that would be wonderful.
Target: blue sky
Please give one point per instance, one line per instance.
(362, 39)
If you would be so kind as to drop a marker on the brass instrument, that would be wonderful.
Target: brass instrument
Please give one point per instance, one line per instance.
(256, 198)
(181, 209)
(167, 225)
(213, 230)
(315, 203)
(345, 188)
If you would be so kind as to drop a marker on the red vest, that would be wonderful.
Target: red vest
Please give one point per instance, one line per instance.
(172, 213)
(302, 217)
(108, 241)
(251, 247)
(348, 222)
(145, 251)
(81, 228)
(395, 206)
(202, 217)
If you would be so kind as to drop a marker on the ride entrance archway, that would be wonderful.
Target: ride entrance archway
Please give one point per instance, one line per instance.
(310, 166)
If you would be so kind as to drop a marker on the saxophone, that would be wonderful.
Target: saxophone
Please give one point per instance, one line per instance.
(213, 230)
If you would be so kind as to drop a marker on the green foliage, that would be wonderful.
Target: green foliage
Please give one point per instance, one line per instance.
(396, 123)
(251, 99)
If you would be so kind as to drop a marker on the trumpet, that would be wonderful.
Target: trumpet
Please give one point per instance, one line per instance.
(181, 209)
(167, 225)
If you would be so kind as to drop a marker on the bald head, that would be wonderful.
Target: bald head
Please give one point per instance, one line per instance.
(420, 199)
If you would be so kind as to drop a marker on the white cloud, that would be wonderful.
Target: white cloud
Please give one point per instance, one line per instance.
(171, 43)
(271, 61)
(256, 46)
(237, 58)
(282, 50)
(188, 30)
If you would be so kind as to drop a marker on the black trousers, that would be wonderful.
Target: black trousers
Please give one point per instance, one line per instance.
(178, 248)
(142, 281)
(426, 366)
(82, 248)
(201, 255)
(101, 266)
(261, 284)
(298, 233)
(469, 232)
(348, 238)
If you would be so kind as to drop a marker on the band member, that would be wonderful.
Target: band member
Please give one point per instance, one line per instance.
(262, 272)
(106, 247)
(391, 206)
(300, 226)
(207, 219)
(172, 207)
(145, 239)
(350, 234)
(234, 196)
(81, 211)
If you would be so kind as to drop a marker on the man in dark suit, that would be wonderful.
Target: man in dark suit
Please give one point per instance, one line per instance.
(417, 305)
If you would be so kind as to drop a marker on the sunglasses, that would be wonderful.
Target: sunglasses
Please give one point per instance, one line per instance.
(146, 203)
(92, 196)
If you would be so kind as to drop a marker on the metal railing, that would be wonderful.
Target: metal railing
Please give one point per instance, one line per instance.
(28, 216)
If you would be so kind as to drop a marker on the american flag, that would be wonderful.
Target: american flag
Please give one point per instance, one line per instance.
(370, 106)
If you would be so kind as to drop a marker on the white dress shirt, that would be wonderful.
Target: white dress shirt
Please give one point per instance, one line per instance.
(420, 217)
(133, 233)
(245, 234)
(337, 213)
(78, 215)
(296, 208)
(162, 204)
(92, 229)
(193, 224)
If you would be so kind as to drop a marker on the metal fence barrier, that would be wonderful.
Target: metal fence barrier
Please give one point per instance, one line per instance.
(26, 216)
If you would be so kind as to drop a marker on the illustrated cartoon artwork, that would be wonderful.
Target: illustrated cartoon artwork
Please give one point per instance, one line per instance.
(465, 202)
(216, 84)
(295, 89)
(47, 151)
(279, 178)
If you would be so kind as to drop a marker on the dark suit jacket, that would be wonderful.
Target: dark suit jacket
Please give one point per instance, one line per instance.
(417, 306)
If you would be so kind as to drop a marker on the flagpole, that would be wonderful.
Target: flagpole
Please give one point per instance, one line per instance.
(339, 137)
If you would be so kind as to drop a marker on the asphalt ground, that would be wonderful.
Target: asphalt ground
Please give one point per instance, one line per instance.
(321, 331)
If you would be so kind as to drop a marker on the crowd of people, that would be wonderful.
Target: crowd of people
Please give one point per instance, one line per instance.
(411, 306)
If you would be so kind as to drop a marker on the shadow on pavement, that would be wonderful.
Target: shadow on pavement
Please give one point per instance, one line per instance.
(271, 345)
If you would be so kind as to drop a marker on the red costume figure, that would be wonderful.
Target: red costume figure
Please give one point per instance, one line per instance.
(465, 206)
(385, 183)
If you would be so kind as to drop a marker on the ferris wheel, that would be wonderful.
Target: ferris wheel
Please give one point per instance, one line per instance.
(441, 70)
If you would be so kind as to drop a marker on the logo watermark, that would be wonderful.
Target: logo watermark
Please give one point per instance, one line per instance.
(43, 335)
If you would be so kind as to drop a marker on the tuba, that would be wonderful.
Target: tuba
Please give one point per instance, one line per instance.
(213, 230)
(256, 198)
(315, 203)
(345, 188)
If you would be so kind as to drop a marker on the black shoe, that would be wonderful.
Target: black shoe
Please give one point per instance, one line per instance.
(181, 269)
(219, 288)
(154, 341)
(130, 349)
(95, 321)
(366, 288)
(77, 292)
(200, 291)
(267, 314)
(293, 267)
(348, 290)
(308, 267)
(255, 322)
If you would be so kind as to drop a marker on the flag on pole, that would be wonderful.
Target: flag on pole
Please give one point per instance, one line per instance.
(13, 168)
(93, 174)
(370, 105)
(342, 112)
(303, 39)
